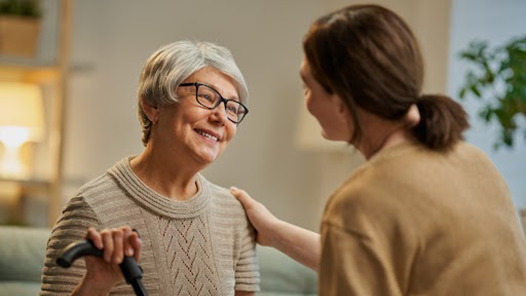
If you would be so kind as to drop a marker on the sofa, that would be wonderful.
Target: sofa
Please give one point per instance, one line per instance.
(282, 276)
(22, 252)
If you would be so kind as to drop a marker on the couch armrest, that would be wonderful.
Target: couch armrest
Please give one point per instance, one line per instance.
(22, 253)
(281, 275)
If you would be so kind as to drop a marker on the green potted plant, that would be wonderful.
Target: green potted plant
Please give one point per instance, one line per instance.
(19, 27)
(498, 80)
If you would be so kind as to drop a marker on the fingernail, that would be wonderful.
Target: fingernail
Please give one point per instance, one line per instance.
(233, 188)
(129, 252)
(117, 259)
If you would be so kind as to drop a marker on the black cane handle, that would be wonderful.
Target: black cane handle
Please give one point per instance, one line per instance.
(76, 250)
(131, 271)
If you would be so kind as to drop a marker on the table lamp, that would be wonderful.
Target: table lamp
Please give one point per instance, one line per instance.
(21, 121)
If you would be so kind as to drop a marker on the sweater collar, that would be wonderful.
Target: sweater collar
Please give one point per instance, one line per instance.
(405, 147)
(154, 202)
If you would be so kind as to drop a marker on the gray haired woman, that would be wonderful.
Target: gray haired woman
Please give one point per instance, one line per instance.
(194, 236)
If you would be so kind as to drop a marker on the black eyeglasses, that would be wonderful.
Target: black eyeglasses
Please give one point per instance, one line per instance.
(210, 98)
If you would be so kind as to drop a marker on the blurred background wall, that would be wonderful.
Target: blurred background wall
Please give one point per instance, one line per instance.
(277, 157)
(113, 39)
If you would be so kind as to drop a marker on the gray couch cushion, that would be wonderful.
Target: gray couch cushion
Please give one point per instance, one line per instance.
(16, 288)
(22, 253)
(280, 275)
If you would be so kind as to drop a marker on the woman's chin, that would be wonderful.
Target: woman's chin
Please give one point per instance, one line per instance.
(333, 138)
(206, 158)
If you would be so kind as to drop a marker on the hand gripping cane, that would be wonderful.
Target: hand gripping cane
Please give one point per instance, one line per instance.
(131, 271)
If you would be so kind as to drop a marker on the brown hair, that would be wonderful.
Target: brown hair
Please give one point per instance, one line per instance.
(369, 57)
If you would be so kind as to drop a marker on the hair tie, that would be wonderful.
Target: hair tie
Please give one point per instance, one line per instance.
(413, 115)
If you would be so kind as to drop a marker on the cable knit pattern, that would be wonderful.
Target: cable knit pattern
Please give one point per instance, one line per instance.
(190, 256)
(202, 246)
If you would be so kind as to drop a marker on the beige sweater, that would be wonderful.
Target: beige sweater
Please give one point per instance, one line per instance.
(203, 246)
(416, 222)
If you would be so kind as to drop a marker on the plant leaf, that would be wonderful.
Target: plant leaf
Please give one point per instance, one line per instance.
(474, 89)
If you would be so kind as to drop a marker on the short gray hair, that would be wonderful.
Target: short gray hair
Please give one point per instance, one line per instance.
(171, 64)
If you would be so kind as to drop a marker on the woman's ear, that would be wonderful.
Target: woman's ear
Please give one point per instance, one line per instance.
(152, 112)
(341, 108)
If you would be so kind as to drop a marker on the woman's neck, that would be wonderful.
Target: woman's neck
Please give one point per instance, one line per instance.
(164, 175)
(383, 136)
(396, 138)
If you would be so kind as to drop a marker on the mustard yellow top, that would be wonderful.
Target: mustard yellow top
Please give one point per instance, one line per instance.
(412, 221)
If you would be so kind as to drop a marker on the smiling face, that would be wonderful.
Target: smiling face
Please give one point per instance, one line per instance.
(187, 130)
(328, 109)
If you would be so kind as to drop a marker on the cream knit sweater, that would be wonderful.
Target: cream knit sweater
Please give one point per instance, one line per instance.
(202, 246)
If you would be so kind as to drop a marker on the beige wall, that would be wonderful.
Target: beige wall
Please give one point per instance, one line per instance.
(111, 40)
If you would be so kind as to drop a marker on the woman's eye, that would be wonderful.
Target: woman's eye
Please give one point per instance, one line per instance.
(207, 97)
(232, 109)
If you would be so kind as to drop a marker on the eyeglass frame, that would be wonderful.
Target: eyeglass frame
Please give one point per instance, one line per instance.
(221, 99)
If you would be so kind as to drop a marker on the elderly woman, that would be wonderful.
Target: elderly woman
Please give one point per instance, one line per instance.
(427, 214)
(194, 235)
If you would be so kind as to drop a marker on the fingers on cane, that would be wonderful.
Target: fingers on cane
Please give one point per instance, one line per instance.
(127, 246)
(118, 246)
(107, 241)
(136, 243)
(94, 236)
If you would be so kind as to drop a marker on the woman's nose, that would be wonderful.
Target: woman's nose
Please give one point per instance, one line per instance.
(219, 113)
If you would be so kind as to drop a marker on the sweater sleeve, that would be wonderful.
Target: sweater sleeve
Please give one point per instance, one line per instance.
(71, 227)
(247, 267)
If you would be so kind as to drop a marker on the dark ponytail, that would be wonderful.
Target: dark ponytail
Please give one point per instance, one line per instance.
(442, 122)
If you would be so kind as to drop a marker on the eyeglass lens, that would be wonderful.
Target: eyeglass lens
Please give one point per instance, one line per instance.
(210, 98)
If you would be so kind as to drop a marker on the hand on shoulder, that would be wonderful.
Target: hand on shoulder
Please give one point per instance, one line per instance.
(265, 223)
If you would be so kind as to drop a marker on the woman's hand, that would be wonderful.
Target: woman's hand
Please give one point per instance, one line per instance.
(300, 244)
(261, 218)
(103, 273)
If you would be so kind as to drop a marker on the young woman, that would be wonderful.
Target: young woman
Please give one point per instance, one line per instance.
(427, 214)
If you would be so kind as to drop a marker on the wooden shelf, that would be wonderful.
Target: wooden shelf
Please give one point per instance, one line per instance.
(31, 74)
(42, 183)
(56, 75)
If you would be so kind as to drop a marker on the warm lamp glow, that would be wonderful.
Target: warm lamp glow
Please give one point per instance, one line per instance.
(21, 121)
(21, 106)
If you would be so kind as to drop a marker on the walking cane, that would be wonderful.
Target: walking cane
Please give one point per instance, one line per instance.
(131, 271)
